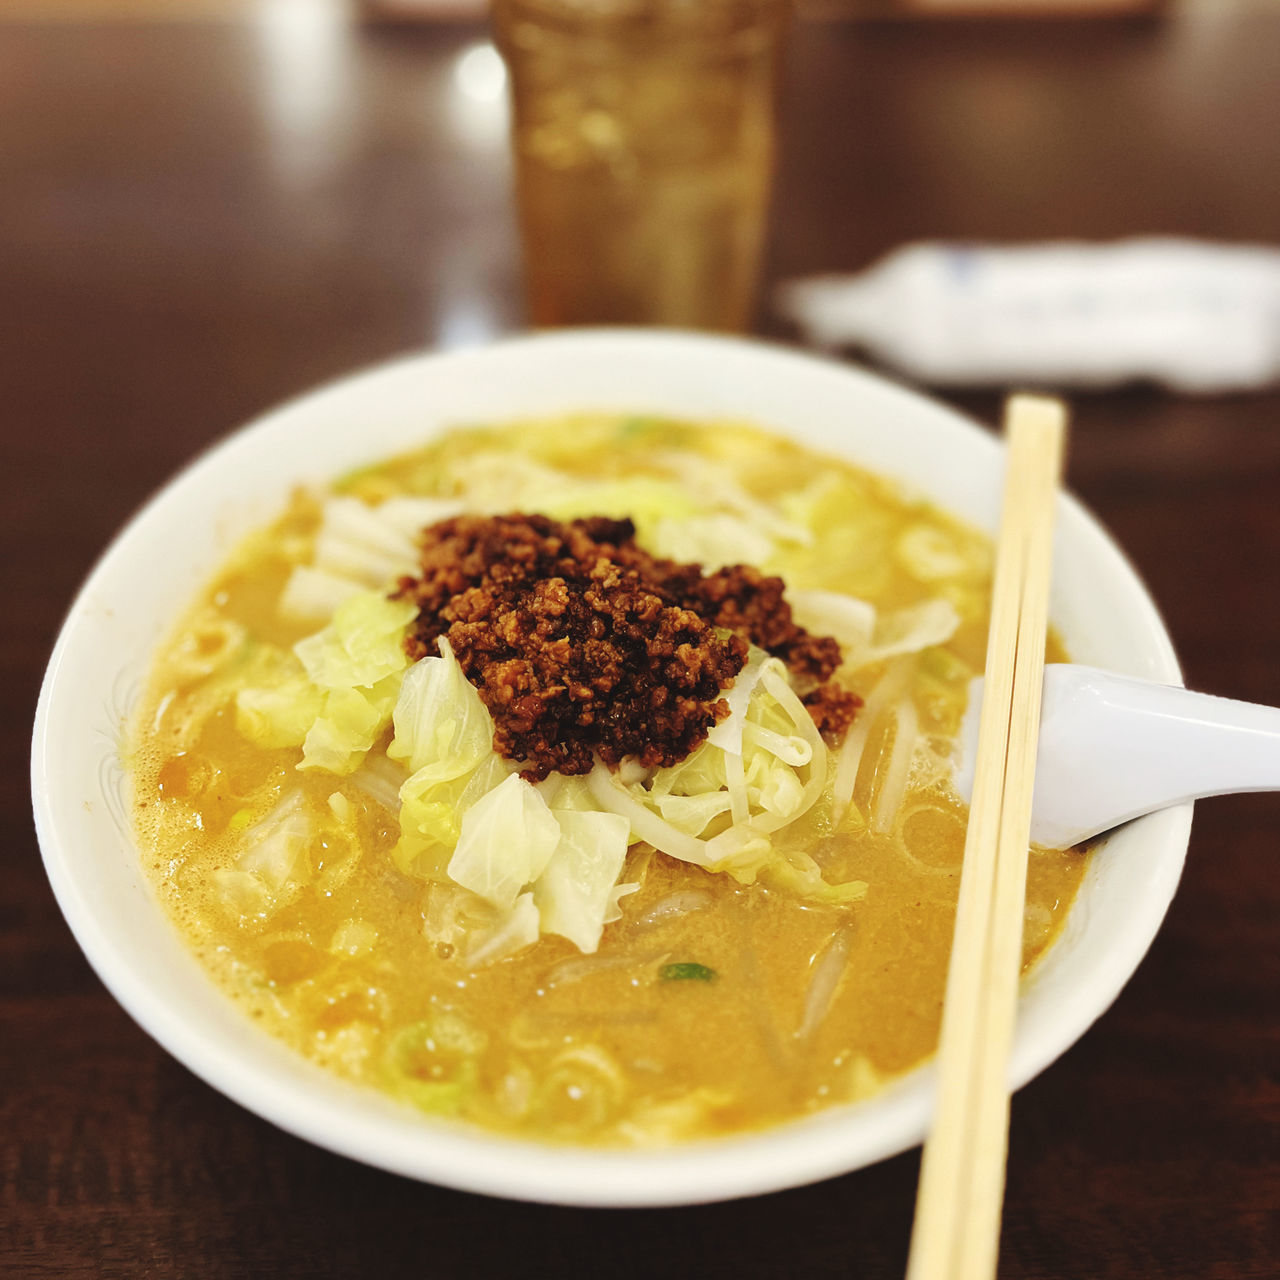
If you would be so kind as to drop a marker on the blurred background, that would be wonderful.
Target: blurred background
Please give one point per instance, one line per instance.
(209, 205)
(345, 167)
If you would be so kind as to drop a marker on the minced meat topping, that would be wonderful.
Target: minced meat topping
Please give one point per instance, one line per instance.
(581, 643)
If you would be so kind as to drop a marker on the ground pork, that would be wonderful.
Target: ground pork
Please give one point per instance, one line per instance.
(582, 644)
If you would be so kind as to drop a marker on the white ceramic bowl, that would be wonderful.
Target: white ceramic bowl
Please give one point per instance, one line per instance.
(150, 573)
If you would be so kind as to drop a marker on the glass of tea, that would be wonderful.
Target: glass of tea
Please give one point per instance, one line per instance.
(644, 140)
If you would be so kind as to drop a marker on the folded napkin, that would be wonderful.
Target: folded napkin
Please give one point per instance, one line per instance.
(1195, 316)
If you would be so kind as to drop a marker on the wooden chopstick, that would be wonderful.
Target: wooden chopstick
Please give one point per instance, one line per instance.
(957, 1222)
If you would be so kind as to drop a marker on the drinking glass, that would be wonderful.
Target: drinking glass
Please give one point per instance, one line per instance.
(644, 141)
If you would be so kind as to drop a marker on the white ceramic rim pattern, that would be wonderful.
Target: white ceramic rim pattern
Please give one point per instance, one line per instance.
(150, 572)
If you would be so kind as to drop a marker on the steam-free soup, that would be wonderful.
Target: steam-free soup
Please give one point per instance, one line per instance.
(628, 956)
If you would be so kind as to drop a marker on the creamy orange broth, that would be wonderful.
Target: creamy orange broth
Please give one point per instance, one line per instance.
(550, 1042)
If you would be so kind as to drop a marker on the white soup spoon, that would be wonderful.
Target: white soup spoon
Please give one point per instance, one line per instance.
(1113, 748)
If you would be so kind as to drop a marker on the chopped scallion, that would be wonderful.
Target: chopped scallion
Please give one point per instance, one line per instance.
(686, 971)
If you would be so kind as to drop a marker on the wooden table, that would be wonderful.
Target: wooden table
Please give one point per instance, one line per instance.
(196, 221)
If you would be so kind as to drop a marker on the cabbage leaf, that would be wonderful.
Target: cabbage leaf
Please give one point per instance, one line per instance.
(506, 840)
(442, 728)
(866, 636)
(646, 500)
(275, 863)
(511, 931)
(279, 711)
(333, 695)
(362, 645)
(431, 813)
(573, 893)
(477, 930)
(350, 722)
(313, 595)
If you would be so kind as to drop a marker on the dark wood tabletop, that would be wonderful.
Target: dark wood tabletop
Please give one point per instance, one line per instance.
(198, 220)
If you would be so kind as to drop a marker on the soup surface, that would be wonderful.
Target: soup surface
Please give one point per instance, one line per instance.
(804, 968)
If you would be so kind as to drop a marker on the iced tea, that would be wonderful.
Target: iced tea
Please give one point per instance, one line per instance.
(644, 139)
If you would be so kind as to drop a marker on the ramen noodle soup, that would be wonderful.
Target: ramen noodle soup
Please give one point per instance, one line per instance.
(583, 779)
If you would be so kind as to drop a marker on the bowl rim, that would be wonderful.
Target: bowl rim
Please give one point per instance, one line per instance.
(453, 1154)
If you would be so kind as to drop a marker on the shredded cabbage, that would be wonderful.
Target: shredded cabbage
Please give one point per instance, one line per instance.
(521, 867)
(693, 814)
(380, 780)
(698, 514)
(410, 515)
(496, 481)
(444, 735)
(930, 554)
(714, 487)
(569, 793)
(700, 771)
